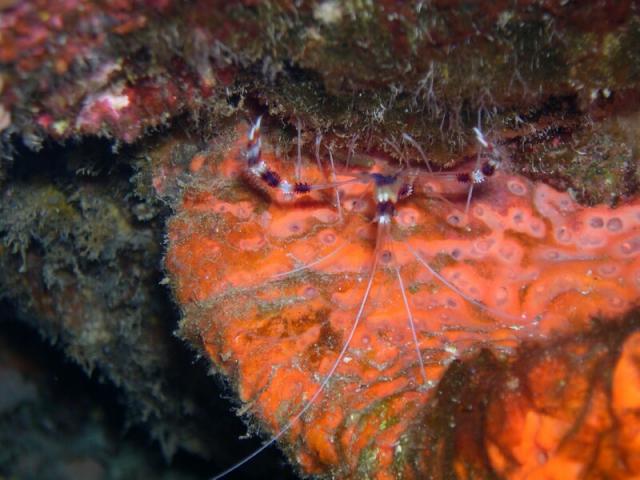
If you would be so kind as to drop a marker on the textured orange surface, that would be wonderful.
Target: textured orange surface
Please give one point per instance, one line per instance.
(541, 264)
(571, 413)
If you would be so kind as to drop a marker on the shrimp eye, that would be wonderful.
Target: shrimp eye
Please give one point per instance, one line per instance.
(488, 169)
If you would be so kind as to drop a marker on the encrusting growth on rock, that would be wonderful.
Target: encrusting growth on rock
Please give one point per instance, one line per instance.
(271, 287)
(568, 410)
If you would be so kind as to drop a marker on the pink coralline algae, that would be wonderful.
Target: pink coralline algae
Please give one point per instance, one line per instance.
(88, 86)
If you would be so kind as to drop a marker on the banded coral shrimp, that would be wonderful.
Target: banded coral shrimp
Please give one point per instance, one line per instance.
(275, 287)
(388, 192)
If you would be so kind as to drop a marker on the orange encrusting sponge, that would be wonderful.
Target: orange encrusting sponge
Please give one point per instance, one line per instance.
(572, 414)
(272, 287)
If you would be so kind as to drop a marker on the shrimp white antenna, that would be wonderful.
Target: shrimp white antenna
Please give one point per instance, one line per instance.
(318, 142)
(476, 174)
(470, 192)
(396, 149)
(333, 171)
(417, 146)
(455, 289)
(255, 127)
(412, 325)
(333, 179)
(298, 171)
(439, 196)
(480, 137)
(326, 186)
(310, 264)
(329, 375)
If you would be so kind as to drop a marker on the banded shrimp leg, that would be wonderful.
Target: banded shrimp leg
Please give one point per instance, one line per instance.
(482, 171)
(259, 170)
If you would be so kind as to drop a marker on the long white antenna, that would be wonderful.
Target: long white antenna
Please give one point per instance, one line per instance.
(310, 264)
(412, 325)
(333, 179)
(298, 171)
(417, 146)
(455, 289)
(329, 375)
